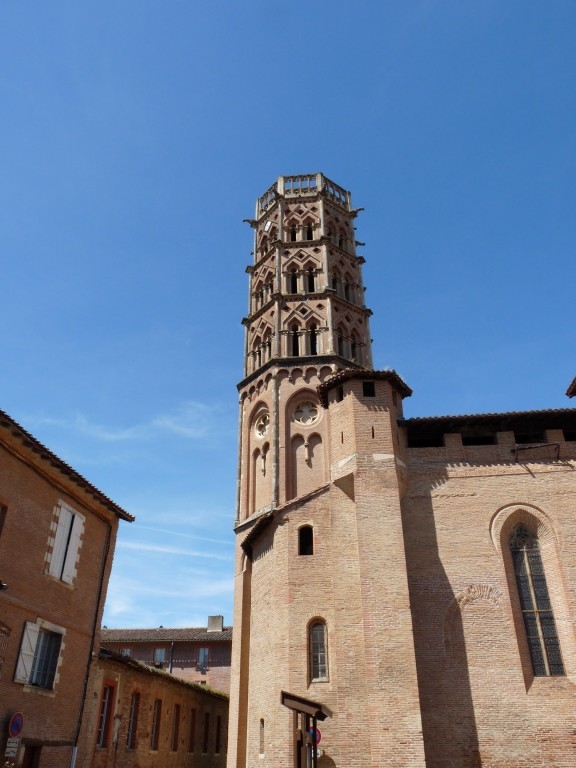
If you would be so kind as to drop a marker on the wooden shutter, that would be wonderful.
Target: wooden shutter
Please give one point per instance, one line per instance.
(27, 651)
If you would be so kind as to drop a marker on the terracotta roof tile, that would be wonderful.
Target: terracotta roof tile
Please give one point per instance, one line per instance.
(165, 635)
(366, 374)
(30, 443)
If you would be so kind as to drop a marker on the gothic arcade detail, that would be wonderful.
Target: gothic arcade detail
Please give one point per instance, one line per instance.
(306, 321)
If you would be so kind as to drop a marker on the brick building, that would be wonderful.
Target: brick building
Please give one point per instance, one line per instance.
(57, 536)
(405, 588)
(197, 654)
(138, 716)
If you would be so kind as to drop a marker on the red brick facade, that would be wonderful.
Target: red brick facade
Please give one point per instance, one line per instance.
(196, 654)
(140, 717)
(57, 535)
(378, 573)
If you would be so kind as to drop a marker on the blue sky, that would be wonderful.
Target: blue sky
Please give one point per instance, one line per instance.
(135, 138)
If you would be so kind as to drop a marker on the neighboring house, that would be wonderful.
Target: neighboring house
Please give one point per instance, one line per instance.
(407, 584)
(57, 536)
(141, 717)
(197, 654)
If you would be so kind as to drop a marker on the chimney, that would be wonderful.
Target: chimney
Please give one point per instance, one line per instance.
(215, 623)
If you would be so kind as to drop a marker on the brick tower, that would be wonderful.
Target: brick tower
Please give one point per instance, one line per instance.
(312, 598)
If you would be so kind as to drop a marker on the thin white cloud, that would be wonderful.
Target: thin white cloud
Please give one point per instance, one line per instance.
(191, 420)
(170, 550)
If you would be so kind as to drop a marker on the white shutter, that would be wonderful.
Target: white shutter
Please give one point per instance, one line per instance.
(60, 542)
(72, 551)
(27, 651)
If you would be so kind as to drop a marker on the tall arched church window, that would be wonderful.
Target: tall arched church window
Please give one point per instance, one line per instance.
(535, 603)
(293, 233)
(318, 650)
(306, 540)
(309, 232)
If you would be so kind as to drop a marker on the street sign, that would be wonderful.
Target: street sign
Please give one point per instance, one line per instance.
(318, 735)
(16, 724)
(12, 745)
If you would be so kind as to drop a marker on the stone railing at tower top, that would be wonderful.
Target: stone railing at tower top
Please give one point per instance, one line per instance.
(302, 186)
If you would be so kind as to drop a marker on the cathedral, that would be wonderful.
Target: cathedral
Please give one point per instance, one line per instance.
(405, 588)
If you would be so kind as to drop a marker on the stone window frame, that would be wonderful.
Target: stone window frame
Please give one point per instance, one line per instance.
(538, 521)
(318, 666)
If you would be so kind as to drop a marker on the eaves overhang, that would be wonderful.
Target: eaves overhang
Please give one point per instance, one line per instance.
(35, 449)
(365, 374)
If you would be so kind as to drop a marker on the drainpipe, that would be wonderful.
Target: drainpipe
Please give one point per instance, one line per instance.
(171, 656)
(91, 651)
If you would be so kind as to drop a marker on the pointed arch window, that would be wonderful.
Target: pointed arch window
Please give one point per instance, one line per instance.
(318, 650)
(535, 603)
(293, 233)
(309, 232)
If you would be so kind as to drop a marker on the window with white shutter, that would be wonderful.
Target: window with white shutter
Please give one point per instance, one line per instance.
(66, 544)
(39, 654)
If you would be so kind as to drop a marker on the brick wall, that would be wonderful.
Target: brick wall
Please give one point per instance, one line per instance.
(206, 748)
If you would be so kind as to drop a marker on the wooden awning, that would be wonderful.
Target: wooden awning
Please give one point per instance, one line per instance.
(305, 706)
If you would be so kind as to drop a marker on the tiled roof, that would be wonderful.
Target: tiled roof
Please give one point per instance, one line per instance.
(571, 391)
(107, 655)
(513, 421)
(511, 415)
(361, 373)
(165, 635)
(30, 443)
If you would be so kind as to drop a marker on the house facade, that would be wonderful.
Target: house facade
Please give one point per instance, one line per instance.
(138, 716)
(197, 654)
(405, 587)
(57, 536)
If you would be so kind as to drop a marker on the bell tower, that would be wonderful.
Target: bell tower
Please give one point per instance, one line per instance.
(318, 523)
(307, 320)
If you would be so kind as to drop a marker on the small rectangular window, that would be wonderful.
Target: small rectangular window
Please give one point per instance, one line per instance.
(202, 664)
(369, 389)
(523, 438)
(159, 656)
(217, 745)
(133, 721)
(206, 732)
(3, 512)
(105, 716)
(468, 439)
(192, 732)
(175, 728)
(155, 732)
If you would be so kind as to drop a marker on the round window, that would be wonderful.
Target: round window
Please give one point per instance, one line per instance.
(262, 424)
(306, 413)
